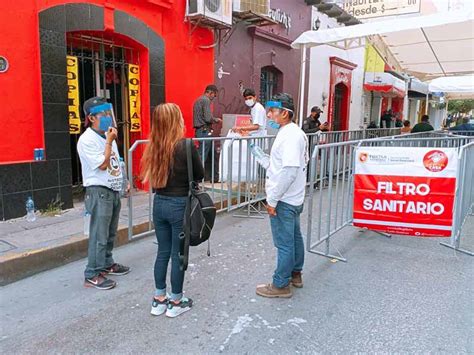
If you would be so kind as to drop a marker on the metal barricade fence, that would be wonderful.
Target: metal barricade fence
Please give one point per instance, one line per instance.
(464, 206)
(330, 198)
(234, 179)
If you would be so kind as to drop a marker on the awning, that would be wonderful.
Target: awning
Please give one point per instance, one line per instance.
(385, 83)
(425, 46)
(418, 86)
(455, 87)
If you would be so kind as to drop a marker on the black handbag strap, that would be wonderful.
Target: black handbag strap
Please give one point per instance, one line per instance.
(187, 232)
(189, 159)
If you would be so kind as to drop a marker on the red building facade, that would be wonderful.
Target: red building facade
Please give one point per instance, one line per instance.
(137, 54)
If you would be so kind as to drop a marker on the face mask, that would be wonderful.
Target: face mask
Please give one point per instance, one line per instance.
(250, 102)
(273, 124)
(105, 123)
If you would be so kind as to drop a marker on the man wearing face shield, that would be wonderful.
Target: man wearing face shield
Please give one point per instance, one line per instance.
(285, 190)
(102, 179)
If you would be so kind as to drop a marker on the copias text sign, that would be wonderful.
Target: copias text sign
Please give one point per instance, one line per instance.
(73, 95)
(364, 9)
(406, 191)
(134, 96)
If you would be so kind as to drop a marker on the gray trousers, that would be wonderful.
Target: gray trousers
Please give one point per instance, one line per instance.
(104, 206)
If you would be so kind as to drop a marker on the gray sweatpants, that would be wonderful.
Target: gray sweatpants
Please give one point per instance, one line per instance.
(104, 206)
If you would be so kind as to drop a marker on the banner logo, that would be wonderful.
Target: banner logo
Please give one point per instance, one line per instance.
(363, 157)
(435, 161)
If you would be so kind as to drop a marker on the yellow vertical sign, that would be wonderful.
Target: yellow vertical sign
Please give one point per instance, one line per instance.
(134, 97)
(73, 95)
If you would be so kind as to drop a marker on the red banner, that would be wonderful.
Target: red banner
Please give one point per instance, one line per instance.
(407, 205)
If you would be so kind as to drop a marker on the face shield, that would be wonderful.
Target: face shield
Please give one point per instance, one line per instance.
(274, 110)
(105, 114)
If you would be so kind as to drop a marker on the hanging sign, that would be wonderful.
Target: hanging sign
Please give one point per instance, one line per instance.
(406, 191)
(73, 95)
(134, 97)
(364, 9)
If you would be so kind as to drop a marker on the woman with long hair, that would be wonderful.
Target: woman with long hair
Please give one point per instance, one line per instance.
(164, 166)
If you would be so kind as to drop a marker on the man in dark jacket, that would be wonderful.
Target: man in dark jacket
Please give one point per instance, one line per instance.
(423, 126)
(386, 118)
(312, 123)
(465, 127)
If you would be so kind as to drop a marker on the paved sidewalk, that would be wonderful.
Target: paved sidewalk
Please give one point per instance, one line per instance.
(398, 295)
(30, 247)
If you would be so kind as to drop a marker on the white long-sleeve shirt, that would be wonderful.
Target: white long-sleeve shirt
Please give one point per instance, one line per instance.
(286, 175)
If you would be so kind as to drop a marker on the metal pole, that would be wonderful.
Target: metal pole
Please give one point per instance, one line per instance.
(301, 108)
(427, 102)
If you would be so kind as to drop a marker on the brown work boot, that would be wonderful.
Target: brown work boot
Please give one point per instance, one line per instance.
(296, 279)
(271, 291)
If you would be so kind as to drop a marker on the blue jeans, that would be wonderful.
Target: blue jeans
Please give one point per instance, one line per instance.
(204, 152)
(168, 216)
(288, 240)
(104, 207)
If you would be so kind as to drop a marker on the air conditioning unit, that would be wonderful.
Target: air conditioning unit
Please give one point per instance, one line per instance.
(260, 7)
(218, 11)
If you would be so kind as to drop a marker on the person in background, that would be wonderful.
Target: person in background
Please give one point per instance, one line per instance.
(258, 113)
(386, 119)
(311, 123)
(465, 126)
(371, 125)
(285, 190)
(398, 120)
(423, 126)
(164, 166)
(406, 127)
(102, 179)
(203, 121)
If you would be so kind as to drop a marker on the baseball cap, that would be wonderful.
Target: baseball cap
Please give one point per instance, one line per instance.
(94, 105)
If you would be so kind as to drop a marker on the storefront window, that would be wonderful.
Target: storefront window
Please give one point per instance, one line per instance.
(269, 79)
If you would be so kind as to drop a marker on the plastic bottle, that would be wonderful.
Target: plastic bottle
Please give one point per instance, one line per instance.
(30, 210)
(123, 192)
(262, 158)
(87, 222)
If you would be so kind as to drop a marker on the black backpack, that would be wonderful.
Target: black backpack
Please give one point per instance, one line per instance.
(199, 215)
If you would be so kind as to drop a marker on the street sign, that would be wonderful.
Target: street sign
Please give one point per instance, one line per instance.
(365, 9)
(3, 64)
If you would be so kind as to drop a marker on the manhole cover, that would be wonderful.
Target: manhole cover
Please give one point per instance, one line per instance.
(5, 246)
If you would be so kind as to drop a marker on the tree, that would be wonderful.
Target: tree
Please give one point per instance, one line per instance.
(461, 106)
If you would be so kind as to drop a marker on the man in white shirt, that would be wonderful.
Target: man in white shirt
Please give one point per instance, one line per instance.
(285, 189)
(102, 179)
(258, 113)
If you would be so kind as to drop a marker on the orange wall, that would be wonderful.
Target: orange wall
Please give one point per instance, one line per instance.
(188, 68)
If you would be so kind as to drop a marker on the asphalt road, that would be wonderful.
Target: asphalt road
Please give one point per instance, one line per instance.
(393, 295)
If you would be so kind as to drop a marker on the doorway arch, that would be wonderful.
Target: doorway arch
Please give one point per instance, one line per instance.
(341, 107)
(54, 25)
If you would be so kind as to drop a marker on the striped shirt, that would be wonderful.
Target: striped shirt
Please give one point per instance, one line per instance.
(202, 115)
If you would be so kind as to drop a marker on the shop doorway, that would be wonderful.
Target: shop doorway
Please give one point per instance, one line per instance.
(102, 71)
(341, 107)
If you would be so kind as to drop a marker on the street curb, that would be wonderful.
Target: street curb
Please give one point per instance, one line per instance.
(19, 264)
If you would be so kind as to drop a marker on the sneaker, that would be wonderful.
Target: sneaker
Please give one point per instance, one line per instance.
(271, 291)
(159, 307)
(100, 282)
(175, 309)
(296, 279)
(117, 269)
